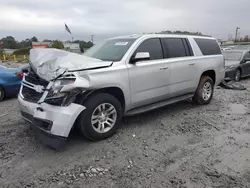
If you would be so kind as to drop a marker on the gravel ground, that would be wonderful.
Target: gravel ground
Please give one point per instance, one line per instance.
(179, 146)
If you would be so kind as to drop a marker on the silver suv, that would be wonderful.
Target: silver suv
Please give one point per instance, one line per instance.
(119, 77)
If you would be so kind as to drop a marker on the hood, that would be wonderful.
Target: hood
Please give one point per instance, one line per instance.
(231, 63)
(49, 63)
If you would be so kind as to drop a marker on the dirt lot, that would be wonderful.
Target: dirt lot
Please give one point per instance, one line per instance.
(180, 146)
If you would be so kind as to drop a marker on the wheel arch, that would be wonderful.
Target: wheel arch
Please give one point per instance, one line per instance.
(211, 73)
(114, 91)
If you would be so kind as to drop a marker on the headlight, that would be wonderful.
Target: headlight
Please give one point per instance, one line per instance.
(59, 98)
(62, 98)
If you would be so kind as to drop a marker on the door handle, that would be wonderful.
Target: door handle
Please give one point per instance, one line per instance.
(191, 63)
(164, 68)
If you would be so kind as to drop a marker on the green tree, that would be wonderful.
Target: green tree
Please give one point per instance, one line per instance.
(57, 44)
(34, 39)
(25, 43)
(9, 42)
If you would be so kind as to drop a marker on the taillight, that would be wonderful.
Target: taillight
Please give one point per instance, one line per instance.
(19, 75)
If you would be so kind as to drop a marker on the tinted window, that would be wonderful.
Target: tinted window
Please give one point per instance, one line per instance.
(175, 47)
(153, 46)
(110, 50)
(208, 46)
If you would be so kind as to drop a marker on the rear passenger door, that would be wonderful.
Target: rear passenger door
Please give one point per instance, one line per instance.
(183, 72)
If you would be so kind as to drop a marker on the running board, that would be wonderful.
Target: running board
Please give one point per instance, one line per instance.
(158, 105)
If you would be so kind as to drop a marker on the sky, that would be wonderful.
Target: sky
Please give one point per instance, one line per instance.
(108, 18)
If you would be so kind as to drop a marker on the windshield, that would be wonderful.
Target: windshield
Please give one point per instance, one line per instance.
(242, 47)
(110, 50)
(235, 56)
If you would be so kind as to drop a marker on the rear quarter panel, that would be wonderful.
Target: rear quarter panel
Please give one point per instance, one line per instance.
(208, 62)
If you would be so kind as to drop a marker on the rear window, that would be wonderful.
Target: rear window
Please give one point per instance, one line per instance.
(208, 46)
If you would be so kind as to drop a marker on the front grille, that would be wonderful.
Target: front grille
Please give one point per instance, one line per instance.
(30, 94)
(34, 79)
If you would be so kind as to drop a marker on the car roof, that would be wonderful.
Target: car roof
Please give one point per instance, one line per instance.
(136, 36)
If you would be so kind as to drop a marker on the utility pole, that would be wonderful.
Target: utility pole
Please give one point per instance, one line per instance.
(92, 38)
(236, 34)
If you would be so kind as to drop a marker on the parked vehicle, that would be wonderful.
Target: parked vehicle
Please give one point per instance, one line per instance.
(237, 64)
(242, 47)
(120, 77)
(10, 81)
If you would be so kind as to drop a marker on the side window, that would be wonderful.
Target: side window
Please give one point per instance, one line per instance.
(153, 47)
(175, 47)
(208, 46)
(247, 55)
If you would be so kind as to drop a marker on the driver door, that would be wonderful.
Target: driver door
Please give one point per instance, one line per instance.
(149, 79)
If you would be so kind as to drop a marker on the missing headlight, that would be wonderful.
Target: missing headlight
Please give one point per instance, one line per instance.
(62, 98)
(58, 84)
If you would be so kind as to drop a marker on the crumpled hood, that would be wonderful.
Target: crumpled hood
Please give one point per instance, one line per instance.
(48, 63)
(231, 63)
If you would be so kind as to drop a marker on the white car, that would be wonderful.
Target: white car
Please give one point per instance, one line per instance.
(119, 77)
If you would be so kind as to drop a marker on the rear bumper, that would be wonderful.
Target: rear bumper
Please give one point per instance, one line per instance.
(51, 123)
(220, 75)
(230, 74)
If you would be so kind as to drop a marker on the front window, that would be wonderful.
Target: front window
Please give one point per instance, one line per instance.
(110, 50)
(232, 56)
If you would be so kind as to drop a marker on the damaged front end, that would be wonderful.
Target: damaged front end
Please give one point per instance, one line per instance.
(49, 91)
(50, 107)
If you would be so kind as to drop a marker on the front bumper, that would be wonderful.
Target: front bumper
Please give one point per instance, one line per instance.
(51, 123)
(229, 74)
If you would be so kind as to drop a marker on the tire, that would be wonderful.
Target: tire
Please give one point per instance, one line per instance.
(2, 93)
(237, 75)
(200, 97)
(87, 119)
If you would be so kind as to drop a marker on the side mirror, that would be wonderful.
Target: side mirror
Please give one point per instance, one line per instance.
(140, 56)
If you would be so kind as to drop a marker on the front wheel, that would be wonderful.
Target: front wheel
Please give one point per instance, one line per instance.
(205, 90)
(101, 118)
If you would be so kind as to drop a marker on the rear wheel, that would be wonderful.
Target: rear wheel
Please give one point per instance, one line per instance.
(204, 92)
(2, 93)
(237, 75)
(101, 118)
